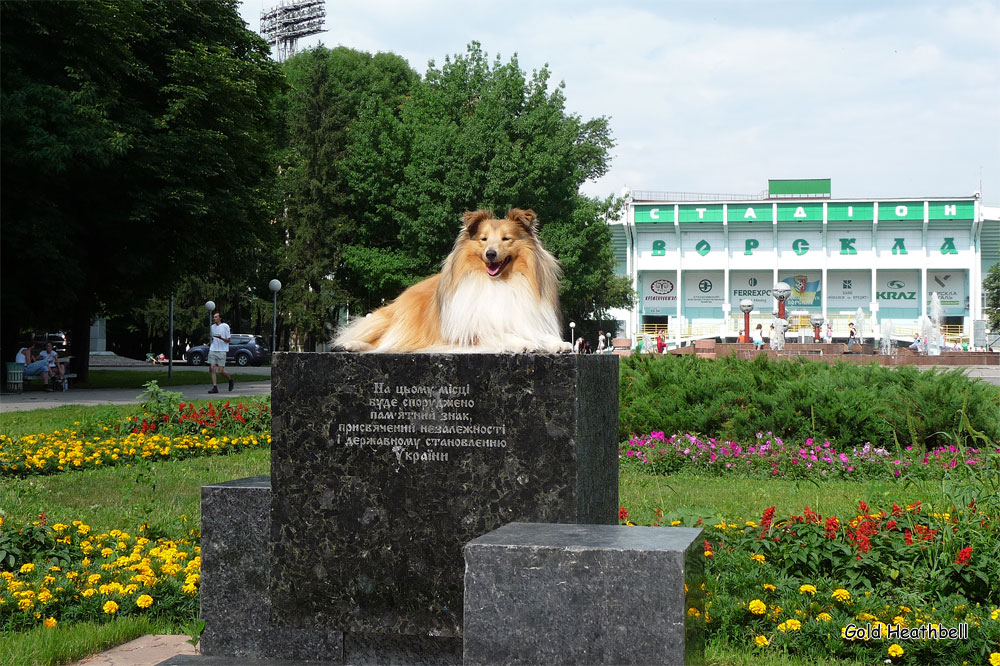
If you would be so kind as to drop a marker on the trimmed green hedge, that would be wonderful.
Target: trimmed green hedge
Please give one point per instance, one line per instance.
(795, 399)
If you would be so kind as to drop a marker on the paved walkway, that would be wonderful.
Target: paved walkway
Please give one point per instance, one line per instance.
(38, 399)
(145, 651)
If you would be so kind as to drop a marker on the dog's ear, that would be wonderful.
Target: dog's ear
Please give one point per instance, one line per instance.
(525, 218)
(473, 219)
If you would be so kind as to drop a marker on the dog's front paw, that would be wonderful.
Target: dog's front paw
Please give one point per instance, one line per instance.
(356, 346)
(558, 347)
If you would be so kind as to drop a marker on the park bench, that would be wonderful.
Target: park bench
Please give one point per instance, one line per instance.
(16, 379)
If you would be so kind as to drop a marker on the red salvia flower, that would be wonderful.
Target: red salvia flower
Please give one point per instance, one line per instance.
(964, 556)
(908, 537)
(832, 526)
(623, 513)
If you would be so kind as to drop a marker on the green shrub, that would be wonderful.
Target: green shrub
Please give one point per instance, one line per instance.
(797, 399)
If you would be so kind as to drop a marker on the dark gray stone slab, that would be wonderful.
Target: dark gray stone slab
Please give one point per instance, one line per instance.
(202, 660)
(384, 465)
(584, 594)
(235, 569)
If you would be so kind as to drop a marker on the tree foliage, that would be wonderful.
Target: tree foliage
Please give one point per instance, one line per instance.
(991, 285)
(326, 204)
(134, 151)
(380, 175)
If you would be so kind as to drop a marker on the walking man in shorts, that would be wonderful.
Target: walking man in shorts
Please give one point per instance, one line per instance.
(217, 351)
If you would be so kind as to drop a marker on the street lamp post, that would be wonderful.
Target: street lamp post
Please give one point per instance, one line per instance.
(817, 321)
(210, 306)
(572, 327)
(275, 287)
(781, 291)
(746, 305)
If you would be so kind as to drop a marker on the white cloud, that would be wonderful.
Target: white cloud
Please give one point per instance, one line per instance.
(890, 98)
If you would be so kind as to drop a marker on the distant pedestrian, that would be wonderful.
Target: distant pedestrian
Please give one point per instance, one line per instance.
(217, 351)
(852, 335)
(829, 332)
(600, 342)
(758, 337)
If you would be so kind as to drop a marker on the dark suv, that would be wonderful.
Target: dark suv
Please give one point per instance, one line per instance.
(243, 350)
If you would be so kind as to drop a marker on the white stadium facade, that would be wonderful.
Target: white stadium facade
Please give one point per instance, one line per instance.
(693, 257)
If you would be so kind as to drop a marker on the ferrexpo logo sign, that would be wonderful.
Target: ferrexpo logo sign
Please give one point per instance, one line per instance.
(898, 294)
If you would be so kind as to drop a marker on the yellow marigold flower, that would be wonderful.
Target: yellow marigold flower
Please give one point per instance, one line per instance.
(895, 650)
(995, 615)
(44, 596)
(757, 607)
(190, 588)
(27, 568)
(769, 587)
(709, 553)
(761, 641)
(144, 601)
(758, 558)
(694, 612)
(841, 595)
(824, 617)
(93, 579)
(807, 589)
(994, 658)
(89, 592)
(25, 604)
(50, 622)
(675, 523)
(59, 527)
(790, 625)
(110, 607)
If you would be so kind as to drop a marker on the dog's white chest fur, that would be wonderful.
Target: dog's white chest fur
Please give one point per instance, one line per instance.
(499, 315)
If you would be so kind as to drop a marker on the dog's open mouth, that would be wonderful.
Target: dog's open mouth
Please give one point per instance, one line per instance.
(494, 267)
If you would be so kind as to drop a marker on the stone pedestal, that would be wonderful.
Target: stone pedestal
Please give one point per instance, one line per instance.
(584, 594)
(235, 570)
(384, 465)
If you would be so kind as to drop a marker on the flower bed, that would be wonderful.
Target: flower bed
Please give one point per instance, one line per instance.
(166, 431)
(68, 450)
(64, 573)
(768, 456)
(798, 583)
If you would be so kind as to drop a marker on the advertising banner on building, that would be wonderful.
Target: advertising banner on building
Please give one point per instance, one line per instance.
(703, 289)
(659, 293)
(848, 290)
(806, 288)
(951, 289)
(755, 285)
(898, 290)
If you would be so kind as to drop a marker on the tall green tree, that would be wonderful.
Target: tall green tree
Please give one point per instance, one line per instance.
(991, 285)
(473, 134)
(582, 242)
(135, 150)
(327, 208)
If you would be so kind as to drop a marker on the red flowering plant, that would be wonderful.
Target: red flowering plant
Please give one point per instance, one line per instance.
(163, 411)
(790, 582)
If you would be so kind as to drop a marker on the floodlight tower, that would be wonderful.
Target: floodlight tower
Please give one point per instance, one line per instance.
(283, 24)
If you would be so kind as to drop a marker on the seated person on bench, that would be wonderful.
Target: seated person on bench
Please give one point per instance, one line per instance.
(34, 366)
(52, 358)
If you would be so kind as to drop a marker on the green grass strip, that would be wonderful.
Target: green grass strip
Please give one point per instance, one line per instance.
(64, 644)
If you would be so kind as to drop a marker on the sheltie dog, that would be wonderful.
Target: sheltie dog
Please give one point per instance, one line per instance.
(498, 291)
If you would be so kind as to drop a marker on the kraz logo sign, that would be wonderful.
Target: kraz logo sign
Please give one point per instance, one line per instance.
(896, 295)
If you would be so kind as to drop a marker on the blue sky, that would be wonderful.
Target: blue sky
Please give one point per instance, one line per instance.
(890, 99)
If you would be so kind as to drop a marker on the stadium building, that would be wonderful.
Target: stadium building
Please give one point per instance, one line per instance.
(693, 257)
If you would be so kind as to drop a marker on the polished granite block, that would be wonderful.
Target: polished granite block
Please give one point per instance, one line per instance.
(235, 569)
(584, 594)
(384, 465)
